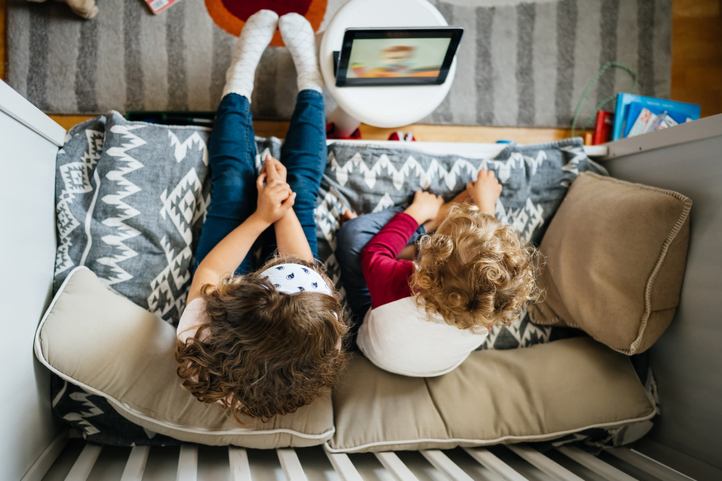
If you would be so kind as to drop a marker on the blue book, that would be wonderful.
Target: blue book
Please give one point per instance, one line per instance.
(630, 105)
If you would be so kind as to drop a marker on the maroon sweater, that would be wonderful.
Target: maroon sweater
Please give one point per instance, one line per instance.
(386, 276)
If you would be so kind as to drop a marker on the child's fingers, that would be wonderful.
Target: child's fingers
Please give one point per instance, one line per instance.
(348, 215)
(272, 169)
(260, 181)
(280, 192)
(289, 202)
(278, 165)
(486, 174)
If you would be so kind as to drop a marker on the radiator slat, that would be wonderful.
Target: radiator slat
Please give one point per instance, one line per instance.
(240, 467)
(488, 459)
(135, 466)
(549, 466)
(344, 467)
(394, 464)
(291, 465)
(595, 464)
(187, 463)
(47, 458)
(650, 466)
(84, 464)
(442, 462)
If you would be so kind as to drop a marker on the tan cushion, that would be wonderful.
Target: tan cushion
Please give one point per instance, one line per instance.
(533, 394)
(615, 259)
(101, 341)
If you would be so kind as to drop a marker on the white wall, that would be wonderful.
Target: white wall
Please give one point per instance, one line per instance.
(27, 248)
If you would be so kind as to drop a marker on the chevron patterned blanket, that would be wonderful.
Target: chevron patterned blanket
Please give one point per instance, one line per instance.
(131, 198)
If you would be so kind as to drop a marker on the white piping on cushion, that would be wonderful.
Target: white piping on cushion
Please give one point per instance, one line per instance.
(120, 406)
(489, 442)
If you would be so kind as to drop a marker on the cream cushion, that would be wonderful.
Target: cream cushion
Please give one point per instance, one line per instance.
(97, 339)
(615, 260)
(538, 393)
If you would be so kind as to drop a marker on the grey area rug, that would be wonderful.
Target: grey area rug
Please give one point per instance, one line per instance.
(521, 63)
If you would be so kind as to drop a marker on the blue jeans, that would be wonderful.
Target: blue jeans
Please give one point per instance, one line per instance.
(350, 241)
(232, 156)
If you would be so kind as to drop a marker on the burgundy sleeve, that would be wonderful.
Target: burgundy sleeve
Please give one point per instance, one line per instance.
(386, 276)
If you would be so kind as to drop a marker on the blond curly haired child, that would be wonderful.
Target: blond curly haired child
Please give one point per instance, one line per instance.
(424, 317)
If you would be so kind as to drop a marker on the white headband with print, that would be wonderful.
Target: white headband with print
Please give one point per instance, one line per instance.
(295, 278)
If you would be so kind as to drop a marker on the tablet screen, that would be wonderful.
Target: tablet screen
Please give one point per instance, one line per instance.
(396, 56)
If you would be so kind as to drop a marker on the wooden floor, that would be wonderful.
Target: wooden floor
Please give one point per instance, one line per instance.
(697, 53)
(696, 77)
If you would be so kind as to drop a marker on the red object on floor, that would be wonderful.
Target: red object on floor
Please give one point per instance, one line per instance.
(603, 127)
(231, 15)
(331, 133)
(402, 136)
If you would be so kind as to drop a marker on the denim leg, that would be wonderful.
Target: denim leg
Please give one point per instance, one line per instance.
(351, 238)
(231, 158)
(304, 155)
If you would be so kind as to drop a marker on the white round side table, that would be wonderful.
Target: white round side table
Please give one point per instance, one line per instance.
(383, 106)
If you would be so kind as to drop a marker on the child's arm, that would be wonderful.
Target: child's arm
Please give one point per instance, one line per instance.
(290, 238)
(409, 252)
(485, 191)
(386, 276)
(431, 224)
(274, 200)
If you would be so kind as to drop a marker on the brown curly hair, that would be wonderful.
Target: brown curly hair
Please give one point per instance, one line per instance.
(475, 271)
(263, 353)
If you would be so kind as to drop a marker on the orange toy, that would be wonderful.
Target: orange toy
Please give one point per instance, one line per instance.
(231, 15)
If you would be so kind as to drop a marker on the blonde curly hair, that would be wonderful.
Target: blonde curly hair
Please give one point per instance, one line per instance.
(475, 271)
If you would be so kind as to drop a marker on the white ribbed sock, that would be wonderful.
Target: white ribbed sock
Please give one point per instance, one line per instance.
(255, 37)
(299, 38)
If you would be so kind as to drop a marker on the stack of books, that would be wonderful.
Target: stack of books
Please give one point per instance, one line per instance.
(636, 115)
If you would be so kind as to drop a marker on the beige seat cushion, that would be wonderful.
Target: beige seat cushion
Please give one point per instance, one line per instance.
(615, 259)
(533, 394)
(99, 340)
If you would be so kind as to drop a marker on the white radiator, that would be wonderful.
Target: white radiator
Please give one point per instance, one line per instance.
(75, 460)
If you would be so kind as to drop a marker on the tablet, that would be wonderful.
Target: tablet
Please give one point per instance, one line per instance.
(396, 56)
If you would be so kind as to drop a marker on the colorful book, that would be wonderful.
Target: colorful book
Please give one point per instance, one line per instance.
(631, 106)
(159, 6)
(602, 127)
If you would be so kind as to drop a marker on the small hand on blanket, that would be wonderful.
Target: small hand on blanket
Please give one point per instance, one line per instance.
(425, 206)
(485, 191)
(433, 224)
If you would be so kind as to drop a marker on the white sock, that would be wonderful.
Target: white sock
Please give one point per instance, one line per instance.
(299, 38)
(255, 37)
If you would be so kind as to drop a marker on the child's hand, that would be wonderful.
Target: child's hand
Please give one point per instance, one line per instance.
(274, 169)
(485, 191)
(275, 199)
(432, 224)
(425, 206)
